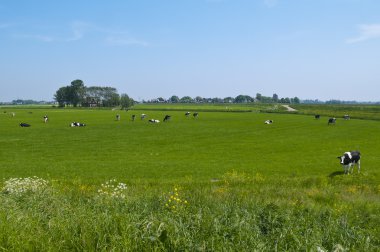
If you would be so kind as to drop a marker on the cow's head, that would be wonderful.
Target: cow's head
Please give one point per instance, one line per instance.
(345, 159)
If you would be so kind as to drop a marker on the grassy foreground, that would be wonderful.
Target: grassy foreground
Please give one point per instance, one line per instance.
(223, 181)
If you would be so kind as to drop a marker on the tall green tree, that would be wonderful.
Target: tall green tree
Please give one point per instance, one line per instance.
(76, 92)
(126, 101)
(174, 99)
(62, 96)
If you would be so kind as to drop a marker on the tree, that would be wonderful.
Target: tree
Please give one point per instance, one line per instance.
(174, 99)
(275, 98)
(198, 99)
(125, 101)
(296, 100)
(243, 99)
(228, 100)
(258, 96)
(186, 99)
(61, 96)
(76, 92)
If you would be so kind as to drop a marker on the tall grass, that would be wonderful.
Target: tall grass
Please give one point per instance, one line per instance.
(222, 181)
(239, 213)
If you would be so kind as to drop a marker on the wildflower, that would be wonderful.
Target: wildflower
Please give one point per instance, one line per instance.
(18, 186)
(113, 189)
(174, 201)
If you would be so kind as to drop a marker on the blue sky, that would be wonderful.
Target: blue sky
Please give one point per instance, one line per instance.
(312, 49)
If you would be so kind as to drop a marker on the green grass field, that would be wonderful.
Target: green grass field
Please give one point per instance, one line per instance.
(248, 186)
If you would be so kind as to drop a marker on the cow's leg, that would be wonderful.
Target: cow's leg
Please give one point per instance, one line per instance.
(358, 166)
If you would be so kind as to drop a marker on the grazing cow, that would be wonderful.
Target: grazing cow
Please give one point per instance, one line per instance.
(348, 160)
(117, 117)
(133, 117)
(77, 124)
(317, 116)
(153, 121)
(346, 117)
(268, 122)
(195, 114)
(187, 113)
(167, 117)
(331, 121)
(24, 125)
(143, 116)
(46, 118)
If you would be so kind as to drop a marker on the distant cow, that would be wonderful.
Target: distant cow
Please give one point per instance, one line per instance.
(46, 118)
(77, 124)
(133, 117)
(348, 160)
(331, 121)
(24, 125)
(346, 117)
(187, 113)
(117, 117)
(317, 116)
(142, 117)
(153, 121)
(195, 114)
(167, 117)
(268, 122)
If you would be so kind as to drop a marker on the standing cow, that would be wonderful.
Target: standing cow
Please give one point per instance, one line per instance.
(167, 118)
(142, 117)
(46, 118)
(195, 115)
(117, 117)
(133, 117)
(331, 121)
(317, 116)
(348, 160)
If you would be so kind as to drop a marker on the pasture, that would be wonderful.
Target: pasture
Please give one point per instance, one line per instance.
(247, 186)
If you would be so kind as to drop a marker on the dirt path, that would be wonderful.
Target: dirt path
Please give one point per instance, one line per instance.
(290, 109)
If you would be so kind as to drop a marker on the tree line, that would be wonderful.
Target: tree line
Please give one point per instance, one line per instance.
(238, 99)
(77, 94)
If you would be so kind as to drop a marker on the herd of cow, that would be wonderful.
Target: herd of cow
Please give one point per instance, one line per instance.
(348, 160)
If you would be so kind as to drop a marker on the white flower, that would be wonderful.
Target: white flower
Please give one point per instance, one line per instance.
(18, 186)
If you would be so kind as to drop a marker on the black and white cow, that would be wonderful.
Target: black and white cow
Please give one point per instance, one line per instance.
(154, 121)
(187, 113)
(346, 117)
(117, 117)
(167, 118)
(331, 121)
(133, 117)
(142, 117)
(268, 122)
(348, 160)
(317, 116)
(46, 118)
(77, 124)
(195, 115)
(24, 125)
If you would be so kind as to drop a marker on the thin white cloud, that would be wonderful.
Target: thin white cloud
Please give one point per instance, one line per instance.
(366, 32)
(271, 3)
(79, 30)
(125, 41)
